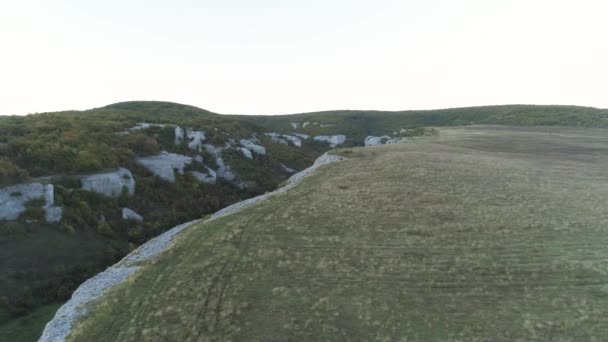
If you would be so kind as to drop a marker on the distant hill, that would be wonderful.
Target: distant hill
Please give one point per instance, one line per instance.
(80, 189)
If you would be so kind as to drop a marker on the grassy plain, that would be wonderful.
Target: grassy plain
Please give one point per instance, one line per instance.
(482, 233)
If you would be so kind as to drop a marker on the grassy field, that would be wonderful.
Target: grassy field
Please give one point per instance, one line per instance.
(482, 233)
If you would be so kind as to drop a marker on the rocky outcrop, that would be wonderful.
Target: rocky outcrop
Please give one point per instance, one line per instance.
(164, 164)
(385, 139)
(13, 200)
(195, 140)
(224, 171)
(373, 141)
(285, 139)
(128, 214)
(145, 125)
(246, 153)
(179, 135)
(250, 145)
(109, 183)
(210, 177)
(333, 140)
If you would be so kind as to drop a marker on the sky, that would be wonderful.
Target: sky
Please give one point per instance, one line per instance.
(279, 57)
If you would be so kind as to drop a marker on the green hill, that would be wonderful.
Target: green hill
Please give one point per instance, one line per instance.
(480, 233)
(43, 262)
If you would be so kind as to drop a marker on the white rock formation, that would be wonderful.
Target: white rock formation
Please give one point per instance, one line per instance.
(373, 141)
(246, 153)
(277, 138)
(224, 171)
(53, 214)
(164, 164)
(210, 177)
(250, 145)
(145, 125)
(385, 139)
(305, 124)
(215, 151)
(195, 140)
(285, 139)
(179, 135)
(128, 214)
(333, 140)
(294, 125)
(303, 136)
(109, 183)
(14, 198)
(396, 140)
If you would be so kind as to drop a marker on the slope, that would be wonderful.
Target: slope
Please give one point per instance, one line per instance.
(482, 233)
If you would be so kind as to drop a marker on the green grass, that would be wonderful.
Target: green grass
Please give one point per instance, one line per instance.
(28, 328)
(482, 233)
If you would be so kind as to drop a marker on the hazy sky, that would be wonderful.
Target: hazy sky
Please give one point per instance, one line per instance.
(274, 57)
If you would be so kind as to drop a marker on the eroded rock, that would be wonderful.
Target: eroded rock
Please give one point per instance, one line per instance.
(164, 164)
(128, 214)
(109, 183)
(333, 140)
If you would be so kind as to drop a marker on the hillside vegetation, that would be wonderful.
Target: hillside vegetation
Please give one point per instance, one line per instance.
(480, 233)
(42, 261)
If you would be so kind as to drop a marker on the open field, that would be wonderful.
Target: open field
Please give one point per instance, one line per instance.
(483, 233)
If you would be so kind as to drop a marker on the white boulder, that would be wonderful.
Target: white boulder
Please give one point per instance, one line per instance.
(246, 153)
(128, 214)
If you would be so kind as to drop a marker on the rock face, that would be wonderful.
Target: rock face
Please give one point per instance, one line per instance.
(128, 214)
(164, 164)
(250, 145)
(333, 140)
(110, 183)
(14, 198)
